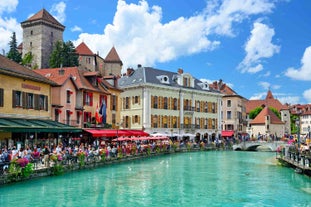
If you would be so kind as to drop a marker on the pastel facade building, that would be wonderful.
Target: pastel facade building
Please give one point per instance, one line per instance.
(175, 104)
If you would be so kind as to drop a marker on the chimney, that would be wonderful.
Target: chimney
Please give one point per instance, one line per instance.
(61, 70)
(180, 71)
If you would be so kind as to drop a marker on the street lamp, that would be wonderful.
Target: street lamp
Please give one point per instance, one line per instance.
(298, 131)
(309, 134)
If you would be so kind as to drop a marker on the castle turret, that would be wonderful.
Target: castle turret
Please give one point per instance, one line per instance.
(40, 32)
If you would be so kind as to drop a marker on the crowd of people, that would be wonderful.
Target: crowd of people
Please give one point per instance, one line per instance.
(44, 156)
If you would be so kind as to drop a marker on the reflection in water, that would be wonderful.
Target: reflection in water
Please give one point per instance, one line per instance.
(213, 178)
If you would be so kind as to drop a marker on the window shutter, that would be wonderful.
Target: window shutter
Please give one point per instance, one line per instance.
(152, 101)
(46, 103)
(13, 99)
(36, 101)
(24, 100)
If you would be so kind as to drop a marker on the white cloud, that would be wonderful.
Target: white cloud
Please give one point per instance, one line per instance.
(258, 46)
(307, 95)
(8, 6)
(221, 15)
(58, 11)
(76, 29)
(304, 72)
(258, 96)
(8, 25)
(289, 99)
(264, 85)
(136, 28)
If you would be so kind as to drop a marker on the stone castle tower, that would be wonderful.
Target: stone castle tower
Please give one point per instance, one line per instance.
(112, 63)
(40, 33)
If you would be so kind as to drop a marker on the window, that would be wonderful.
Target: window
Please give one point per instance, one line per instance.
(42, 102)
(114, 102)
(68, 95)
(198, 106)
(228, 103)
(31, 32)
(52, 34)
(136, 99)
(206, 107)
(213, 107)
(79, 113)
(30, 100)
(127, 102)
(88, 99)
(165, 103)
(155, 103)
(30, 44)
(68, 115)
(57, 113)
(114, 119)
(1, 97)
(228, 114)
(154, 121)
(186, 82)
(136, 119)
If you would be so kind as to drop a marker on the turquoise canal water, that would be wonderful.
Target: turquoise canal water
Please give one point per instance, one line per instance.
(213, 178)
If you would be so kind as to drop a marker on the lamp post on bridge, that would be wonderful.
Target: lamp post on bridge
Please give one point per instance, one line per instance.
(298, 132)
(309, 134)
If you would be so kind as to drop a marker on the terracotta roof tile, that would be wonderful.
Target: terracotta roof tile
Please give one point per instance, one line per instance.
(269, 101)
(113, 56)
(261, 117)
(83, 49)
(74, 73)
(45, 16)
(11, 68)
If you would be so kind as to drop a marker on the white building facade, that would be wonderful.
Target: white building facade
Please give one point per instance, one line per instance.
(174, 104)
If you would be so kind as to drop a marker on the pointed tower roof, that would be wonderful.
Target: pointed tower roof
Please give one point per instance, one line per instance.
(268, 101)
(261, 117)
(269, 95)
(43, 16)
(83, 49)
(113, 56)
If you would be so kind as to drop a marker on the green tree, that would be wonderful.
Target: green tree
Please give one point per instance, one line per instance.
(63, 54)
(276, 112)
(13, 54)
(253, 113)
(27, 59)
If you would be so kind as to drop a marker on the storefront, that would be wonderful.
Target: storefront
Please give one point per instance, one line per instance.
(30, 132)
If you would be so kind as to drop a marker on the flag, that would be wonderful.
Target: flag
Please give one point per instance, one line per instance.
(97, 117)
(102, 111)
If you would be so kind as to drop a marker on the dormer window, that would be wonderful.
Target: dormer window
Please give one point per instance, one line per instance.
(204, 85)
(163, 79)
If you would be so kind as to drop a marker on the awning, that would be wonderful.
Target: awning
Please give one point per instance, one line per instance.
(34, 125)
(115, 132)
(228, 133)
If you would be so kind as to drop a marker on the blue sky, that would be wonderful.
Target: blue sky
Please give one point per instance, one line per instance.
(252, 45)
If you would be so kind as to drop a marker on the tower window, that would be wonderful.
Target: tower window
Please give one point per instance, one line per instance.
(31, 32)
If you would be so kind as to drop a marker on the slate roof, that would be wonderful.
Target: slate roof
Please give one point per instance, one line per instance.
(261, 117)
(11, 68)
(45, 16)
(73, 73)
(143, 75)
(269, 101)
(83, 49)
(113, 56)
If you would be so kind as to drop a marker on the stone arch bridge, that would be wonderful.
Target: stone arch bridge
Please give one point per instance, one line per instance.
(253, 145)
